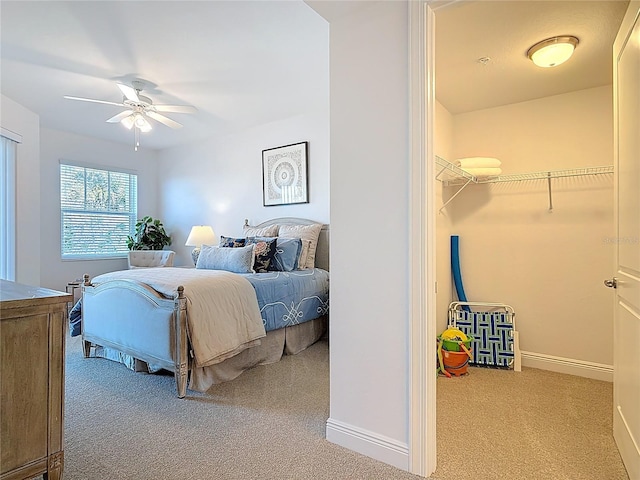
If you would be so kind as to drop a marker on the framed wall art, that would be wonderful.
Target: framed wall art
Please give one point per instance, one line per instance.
(284, 175)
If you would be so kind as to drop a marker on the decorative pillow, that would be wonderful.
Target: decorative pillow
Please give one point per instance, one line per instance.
(250, 231)
(304, 254)
(287, 254)
(264, 250)
(236, 260)
(232, 242)
(305, 232)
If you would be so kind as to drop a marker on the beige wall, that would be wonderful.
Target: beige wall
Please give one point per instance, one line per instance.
(548, 265)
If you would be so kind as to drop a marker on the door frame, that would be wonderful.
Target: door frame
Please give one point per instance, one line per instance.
(422, 321)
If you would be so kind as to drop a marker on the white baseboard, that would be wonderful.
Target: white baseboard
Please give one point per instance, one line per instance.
(376, 446)
(597, 371)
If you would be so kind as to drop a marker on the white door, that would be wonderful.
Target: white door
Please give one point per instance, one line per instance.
(626, 378)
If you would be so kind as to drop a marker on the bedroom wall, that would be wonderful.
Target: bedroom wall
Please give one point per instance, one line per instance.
(548, 265)
(370, 273)
(20, 120)
(218, 181)
(443, 138)
(56, 145)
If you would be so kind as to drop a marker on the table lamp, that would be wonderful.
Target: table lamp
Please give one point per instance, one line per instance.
(200, 235)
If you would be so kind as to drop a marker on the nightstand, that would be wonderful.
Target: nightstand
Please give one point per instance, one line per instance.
(71, 288)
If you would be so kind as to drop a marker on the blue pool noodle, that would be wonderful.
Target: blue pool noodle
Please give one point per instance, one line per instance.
(455, 270)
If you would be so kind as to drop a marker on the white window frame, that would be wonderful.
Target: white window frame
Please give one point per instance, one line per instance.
(118, 250)
(10, 141)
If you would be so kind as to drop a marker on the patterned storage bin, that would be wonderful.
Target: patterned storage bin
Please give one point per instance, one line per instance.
(492, 325)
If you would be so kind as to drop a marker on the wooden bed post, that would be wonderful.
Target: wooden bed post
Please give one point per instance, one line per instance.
(182, 354)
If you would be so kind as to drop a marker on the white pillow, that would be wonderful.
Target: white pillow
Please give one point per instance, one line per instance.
(305, 232)
(250, 231)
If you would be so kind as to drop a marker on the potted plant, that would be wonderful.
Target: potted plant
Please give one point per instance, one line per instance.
(149, 235)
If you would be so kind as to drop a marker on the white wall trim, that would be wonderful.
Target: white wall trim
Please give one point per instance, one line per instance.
(11, 135)
(368, 443)
(580, 368)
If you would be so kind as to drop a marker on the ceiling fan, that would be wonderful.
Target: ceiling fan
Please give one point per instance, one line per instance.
(139, 109)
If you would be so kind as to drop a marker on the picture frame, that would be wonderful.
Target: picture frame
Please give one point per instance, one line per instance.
(284, 175)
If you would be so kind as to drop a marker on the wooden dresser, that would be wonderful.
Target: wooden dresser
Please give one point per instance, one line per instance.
(32, 338)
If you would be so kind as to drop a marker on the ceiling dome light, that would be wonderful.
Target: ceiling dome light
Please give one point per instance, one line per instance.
(552, 51)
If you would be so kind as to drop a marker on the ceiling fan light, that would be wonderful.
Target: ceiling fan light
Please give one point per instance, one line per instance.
(552, 51)
(145, 128)
(127, 122)
(142, 123)
(139, 120)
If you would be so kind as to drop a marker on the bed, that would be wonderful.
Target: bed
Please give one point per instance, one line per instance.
(200, 323)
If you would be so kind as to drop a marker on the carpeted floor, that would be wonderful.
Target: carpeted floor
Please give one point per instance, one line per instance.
(534, 424)
(270, 424)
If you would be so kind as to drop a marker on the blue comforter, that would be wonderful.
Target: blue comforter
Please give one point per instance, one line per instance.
(284, 298)
(289, 298)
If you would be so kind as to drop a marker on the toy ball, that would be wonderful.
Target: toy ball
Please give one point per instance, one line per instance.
(454, 334)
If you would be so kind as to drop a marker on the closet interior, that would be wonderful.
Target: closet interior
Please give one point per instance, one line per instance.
(538, 236)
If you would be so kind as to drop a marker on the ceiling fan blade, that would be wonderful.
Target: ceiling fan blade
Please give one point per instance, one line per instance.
(176, 108)
(82, 99)
(128, 92)
(117, 118)
(162, 119)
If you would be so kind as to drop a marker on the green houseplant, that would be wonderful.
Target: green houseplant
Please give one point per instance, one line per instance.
(149, 235)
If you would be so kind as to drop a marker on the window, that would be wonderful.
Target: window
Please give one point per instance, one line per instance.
(8, 151)
(98, 211)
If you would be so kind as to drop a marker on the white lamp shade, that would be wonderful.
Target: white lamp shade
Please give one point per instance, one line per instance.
(201, 235)
(127, 121)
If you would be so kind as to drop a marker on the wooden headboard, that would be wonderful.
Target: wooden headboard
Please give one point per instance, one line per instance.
(322, 252)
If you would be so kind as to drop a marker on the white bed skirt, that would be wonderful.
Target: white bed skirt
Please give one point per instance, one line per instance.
(290, 341)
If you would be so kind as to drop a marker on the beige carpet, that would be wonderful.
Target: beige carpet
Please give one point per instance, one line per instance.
(270, 424)
(534, 424)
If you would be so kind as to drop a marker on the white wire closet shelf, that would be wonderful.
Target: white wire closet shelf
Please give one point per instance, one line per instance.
(452, 175)
(449, 172)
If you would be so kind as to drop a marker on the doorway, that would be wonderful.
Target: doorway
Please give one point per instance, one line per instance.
(507, 202)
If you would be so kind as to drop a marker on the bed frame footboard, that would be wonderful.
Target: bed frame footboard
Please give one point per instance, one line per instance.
(132, 318)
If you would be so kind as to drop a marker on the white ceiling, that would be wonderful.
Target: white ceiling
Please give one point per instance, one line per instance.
(504, 31)
(240, 63)
(244, 63)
